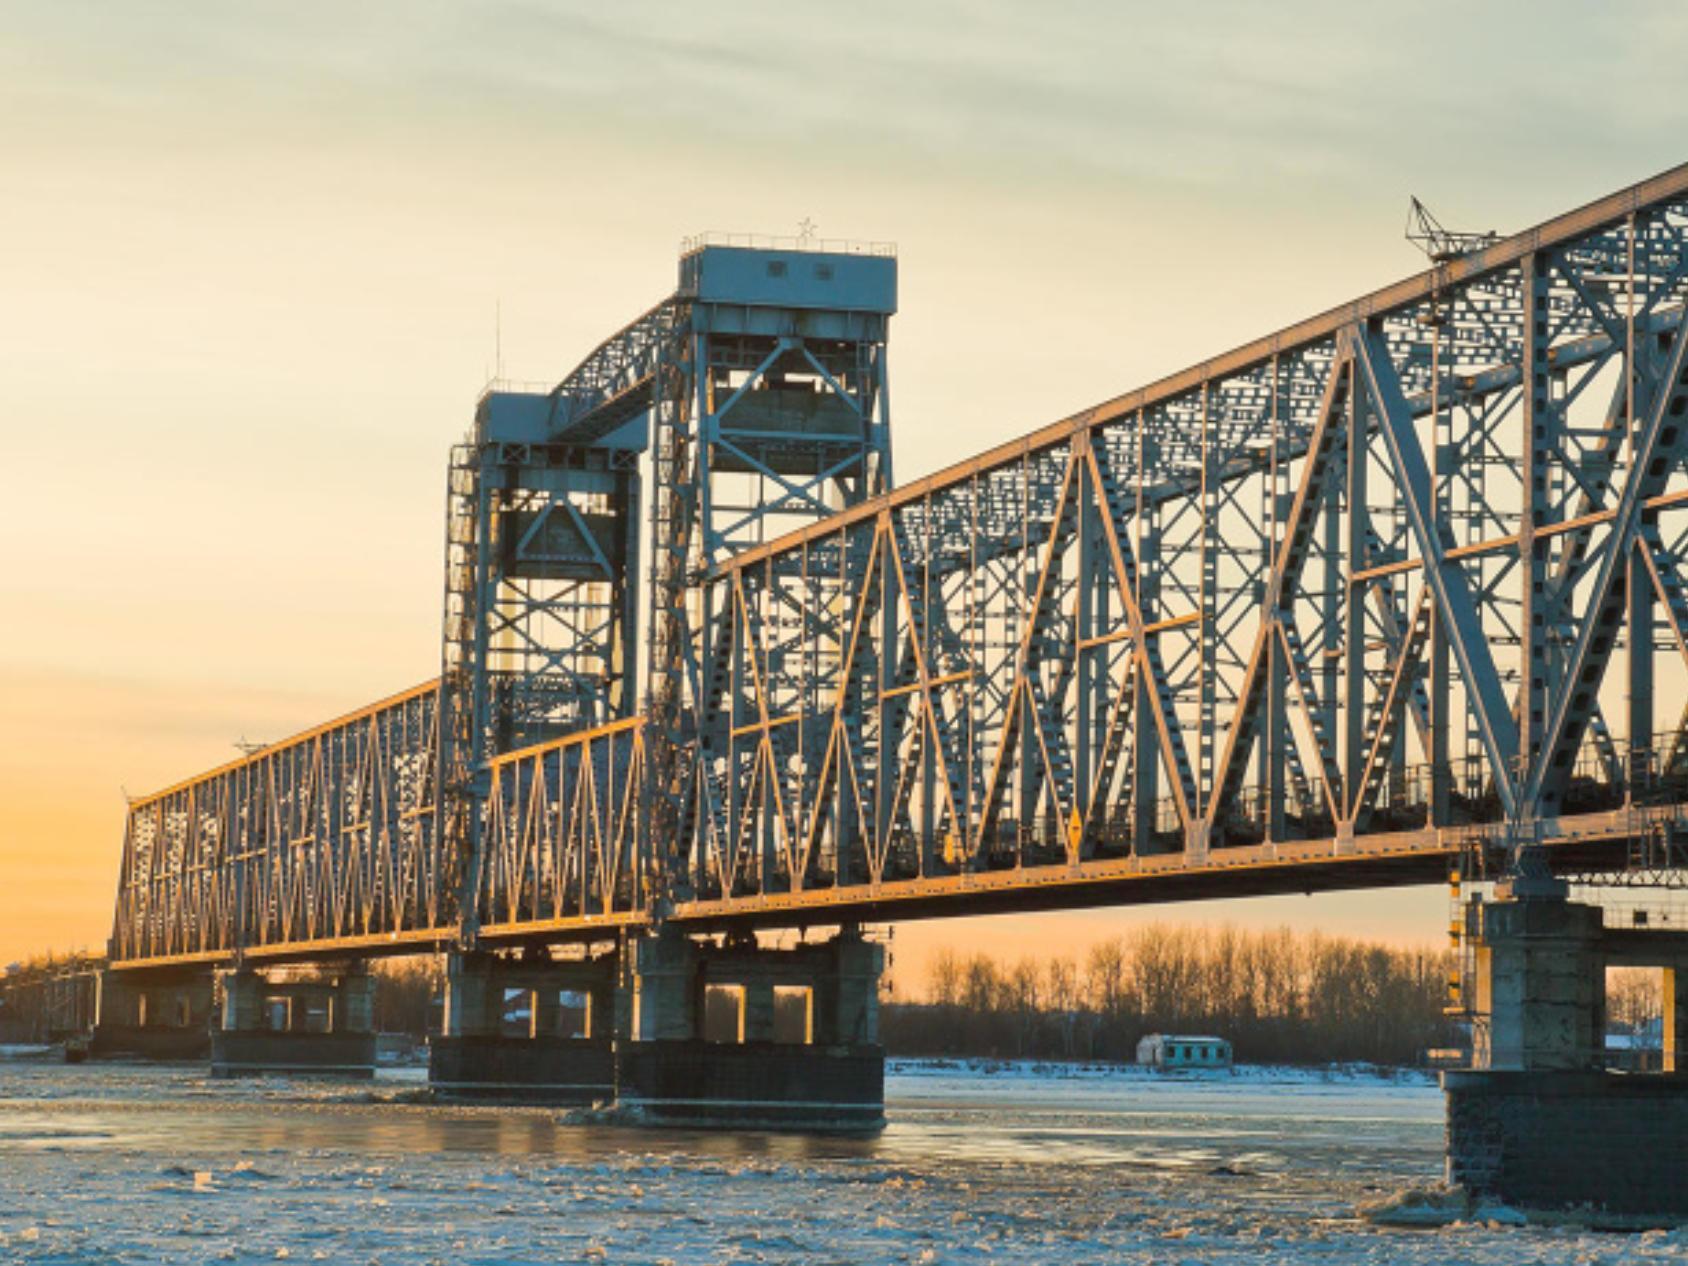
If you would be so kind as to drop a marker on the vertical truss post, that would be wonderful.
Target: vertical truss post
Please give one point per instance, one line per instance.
(1274, 754)
(1640, 666)
(465, 795)
(1101, 752)
(983, 633)
(1441, 460)
(1209, 599)
(735, 737)
(1539, 421)
(676, 799)
(1354, 618)
(885, 681)
(1145, 758)
(1644, 761)
(931, 603)
(1088, 656)
(1331, 603)
(1023, 731)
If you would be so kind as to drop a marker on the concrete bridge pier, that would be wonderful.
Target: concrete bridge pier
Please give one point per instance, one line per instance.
(739, 1036)
(317, 1019)
(163, 1016)
(1537, 1121)
(527, 1027)
(1541, 985)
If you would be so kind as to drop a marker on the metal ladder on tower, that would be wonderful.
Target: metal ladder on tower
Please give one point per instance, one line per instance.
(673, 822)
(457, 739)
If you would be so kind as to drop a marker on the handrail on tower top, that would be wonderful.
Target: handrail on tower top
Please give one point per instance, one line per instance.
(788, 242)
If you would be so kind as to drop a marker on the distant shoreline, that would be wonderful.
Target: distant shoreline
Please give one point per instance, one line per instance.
(1098, 1070)
(1038, 1070)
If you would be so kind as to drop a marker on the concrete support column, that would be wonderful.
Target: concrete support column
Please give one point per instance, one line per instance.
(665, 989)
(315, 1006)
(1541, 986)
(609, 1012)
(758, 1011)
(474, 998)
(546, 1010)
(356, 1010)
(1676, 1020)
(191, 1002)
(243, 1001)
(847, 996)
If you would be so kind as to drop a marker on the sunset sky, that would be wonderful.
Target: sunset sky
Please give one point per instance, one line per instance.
(252, 255)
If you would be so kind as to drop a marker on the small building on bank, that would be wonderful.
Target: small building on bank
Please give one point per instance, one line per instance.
(1179, 1050)
(1639, 1050)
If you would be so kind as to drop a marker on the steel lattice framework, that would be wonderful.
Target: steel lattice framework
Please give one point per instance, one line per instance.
(1319, 612)
(331, 836)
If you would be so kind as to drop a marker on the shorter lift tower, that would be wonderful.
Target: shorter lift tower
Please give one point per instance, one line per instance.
(541, 599)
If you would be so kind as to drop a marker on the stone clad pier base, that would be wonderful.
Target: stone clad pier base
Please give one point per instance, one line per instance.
(317, 1020)
(823, 1071)
(153, 1016)
(531, 1029)
(1611, 1142)
(674, 1030)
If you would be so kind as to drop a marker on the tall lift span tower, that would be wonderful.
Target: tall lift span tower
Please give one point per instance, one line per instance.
(758, 390)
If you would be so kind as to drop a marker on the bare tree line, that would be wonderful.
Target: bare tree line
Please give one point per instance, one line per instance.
(1634, 998)
(1278, 996)
(406, 992)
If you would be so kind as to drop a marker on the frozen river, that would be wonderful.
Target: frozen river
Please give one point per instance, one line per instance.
(145, 1164)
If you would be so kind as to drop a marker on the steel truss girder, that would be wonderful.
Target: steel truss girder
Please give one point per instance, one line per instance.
(1427, 553)
(565, 832)
(329, 835)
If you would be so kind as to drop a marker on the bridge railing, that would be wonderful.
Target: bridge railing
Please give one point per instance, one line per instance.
(328, 837)
(790, 242)
(1604, 779)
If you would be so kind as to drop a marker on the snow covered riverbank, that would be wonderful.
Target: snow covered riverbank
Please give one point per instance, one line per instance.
(1108, 1073)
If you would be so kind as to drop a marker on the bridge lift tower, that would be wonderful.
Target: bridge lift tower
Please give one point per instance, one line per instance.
(759, 387)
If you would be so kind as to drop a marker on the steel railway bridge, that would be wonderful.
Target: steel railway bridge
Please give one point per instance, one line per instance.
(1395, 590)
(1321, 611)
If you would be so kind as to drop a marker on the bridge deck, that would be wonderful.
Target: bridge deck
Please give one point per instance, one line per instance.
(1588, 842)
